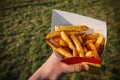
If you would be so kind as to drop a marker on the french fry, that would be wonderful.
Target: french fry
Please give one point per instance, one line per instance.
(75, 52)
(62, 42)
(99, 41)
(92, 64)
(57, 34)
(85, 49)
(53, 34)
(71, 28)
(91, 47)
(80, 39)
(93, 35)
(83, 35)
(56, 39)
(69, 42)
(90, 54)
(67, 48)
(78, 45)
(59, 50)
(100, 50)
(91, 40)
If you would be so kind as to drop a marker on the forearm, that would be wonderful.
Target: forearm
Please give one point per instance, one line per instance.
(45, 74)
(48, 71)
(39, 75)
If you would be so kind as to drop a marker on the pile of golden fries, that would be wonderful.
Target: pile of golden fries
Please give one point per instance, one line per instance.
(72, 41)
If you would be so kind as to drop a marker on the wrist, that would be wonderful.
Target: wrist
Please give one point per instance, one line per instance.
(45, 72)
(50, 70)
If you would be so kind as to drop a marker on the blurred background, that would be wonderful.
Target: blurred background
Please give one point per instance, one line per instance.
(25, 23)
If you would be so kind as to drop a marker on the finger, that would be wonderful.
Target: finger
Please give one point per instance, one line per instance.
(75, 68)
(85, 66)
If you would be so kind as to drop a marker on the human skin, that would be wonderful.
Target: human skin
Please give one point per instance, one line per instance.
(53, 69)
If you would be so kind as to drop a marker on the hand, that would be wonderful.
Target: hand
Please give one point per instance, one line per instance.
(53, 69)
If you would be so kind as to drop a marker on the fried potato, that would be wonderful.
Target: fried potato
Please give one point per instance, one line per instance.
(56, 39)
(69, 42)
(83, 35)
(93, 35)
(59, 50)
(67, 48)
(75, 52)
(80, 39)
(78, 45)
(62, 42)
(57, 34)
(71, 28)
(91, 47)
(91, 40)
(100, 50)
(90, 54)
(53, 34)
(85, 49)
(99, 42)
(92, 64)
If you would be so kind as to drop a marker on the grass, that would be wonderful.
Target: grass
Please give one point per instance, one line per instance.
(25, 23)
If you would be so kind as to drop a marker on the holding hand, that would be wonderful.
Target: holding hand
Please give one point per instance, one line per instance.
(53, 69)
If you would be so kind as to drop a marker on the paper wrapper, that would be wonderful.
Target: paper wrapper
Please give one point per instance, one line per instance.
(67, 18)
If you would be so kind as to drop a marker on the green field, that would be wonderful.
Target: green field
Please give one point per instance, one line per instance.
(25, 23)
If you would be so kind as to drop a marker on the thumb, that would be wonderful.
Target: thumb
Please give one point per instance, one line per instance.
(75, 67)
